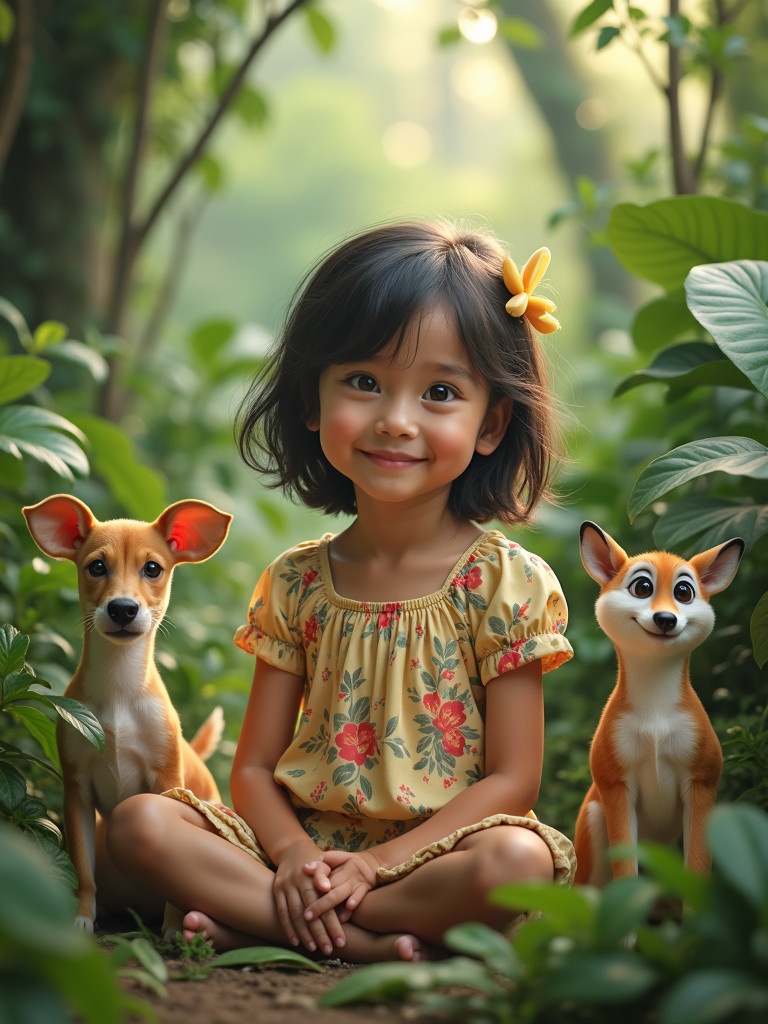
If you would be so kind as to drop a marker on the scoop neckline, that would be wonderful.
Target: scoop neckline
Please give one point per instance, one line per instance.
(435, 597)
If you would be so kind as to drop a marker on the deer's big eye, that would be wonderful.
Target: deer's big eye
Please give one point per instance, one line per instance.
(641, 587)
(684, 592)
(152, 570)
(97, 568)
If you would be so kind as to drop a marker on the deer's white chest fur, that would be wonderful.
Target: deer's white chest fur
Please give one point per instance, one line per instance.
(135, 727)
(655, 739)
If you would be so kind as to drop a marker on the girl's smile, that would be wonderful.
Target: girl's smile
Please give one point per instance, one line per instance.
(403, 424)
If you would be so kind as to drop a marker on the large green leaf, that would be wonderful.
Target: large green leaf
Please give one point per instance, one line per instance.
(729, 299)
(695, 524)
(13, 649)
(661, 321)
(598, 978)
(737, 456)
(26, 430)
(663, 241)
(21, 374)
(714, 996)
(689, 365)
(738, 840)
(79, 717)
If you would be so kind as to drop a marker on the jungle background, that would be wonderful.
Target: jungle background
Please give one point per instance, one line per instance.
(170, 169)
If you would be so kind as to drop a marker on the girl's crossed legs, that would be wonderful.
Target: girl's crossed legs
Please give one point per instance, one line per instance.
(170, 849)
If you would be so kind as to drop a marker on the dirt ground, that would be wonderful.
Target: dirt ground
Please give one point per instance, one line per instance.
(266, 995)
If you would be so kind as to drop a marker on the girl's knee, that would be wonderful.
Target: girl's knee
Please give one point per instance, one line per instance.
(135, 828)
(512, 854)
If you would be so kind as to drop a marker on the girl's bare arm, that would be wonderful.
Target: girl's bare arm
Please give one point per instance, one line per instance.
(268, 728)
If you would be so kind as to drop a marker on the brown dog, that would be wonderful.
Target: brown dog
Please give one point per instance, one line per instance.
(124, 570)
(655, 758)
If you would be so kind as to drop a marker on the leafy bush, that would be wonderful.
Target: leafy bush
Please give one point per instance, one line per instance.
(33, 712)
(592, 955)
(49, 971)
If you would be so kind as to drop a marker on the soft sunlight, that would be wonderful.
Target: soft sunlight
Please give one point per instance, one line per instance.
(477, 25)
(406, 144)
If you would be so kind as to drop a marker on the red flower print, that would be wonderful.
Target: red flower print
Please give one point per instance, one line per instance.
(451, 781)
(308, 577)
(447, 717)
(419, 631)
(310, 629)
(431, 702)
(391, 612)
(512, 658)
(473, 578)
(447, 674)
(318, 792)
(415, 662)
(357, 742)
(448, 720)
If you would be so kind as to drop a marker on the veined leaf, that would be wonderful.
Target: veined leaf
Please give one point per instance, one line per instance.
(688, 365)
(13, 649)
(44, 436)
(729, 299)
(78, 716)
(663, 241)
(695, 524)
(21, 374)
(737, 456)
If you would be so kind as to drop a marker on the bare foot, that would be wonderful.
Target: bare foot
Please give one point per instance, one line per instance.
(220, 936)
(361, 947)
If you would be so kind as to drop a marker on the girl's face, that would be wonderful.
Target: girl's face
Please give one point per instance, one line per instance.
(402, 426)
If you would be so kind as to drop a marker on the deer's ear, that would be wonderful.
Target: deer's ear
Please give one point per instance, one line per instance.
(59, 524)
(601, 556)
(717, 566)
(193, 529)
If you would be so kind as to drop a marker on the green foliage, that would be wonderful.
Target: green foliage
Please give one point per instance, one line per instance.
(48, 971)
(584, 954)
(33, 715)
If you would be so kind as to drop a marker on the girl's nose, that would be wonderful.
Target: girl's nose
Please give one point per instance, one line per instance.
(396, 419)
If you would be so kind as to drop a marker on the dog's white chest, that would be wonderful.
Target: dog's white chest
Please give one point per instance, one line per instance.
(136, 742)
(656, 743)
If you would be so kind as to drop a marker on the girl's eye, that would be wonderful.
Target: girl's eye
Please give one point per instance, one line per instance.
(641, 587)
(363, 382)
(440, 393)
(684, 592)
(152, 570)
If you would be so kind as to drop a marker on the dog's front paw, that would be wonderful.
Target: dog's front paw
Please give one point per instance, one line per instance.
(84, 924)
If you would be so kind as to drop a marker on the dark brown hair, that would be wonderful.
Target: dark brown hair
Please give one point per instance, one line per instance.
(359, 298)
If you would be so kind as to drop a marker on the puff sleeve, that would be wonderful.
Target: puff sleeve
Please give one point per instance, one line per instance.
(524, 614)
(272, 631)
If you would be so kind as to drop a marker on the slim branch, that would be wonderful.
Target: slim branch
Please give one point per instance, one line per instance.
(682, 171)
(191, 157)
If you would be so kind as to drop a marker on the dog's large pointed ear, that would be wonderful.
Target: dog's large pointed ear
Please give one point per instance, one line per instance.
(193, 529)
(601, 556)
(59, 524)
(717, 566)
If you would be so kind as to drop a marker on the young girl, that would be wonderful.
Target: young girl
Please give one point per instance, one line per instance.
(407, 391)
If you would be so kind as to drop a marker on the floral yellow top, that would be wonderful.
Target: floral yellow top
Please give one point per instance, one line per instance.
(392, 721)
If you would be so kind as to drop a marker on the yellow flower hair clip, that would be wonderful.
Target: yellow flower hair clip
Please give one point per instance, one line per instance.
(537, 311)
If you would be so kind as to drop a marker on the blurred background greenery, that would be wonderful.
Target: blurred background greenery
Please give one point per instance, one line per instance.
(168, 253)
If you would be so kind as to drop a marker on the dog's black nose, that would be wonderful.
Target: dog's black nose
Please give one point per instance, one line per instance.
(666, 621)
(122, 610)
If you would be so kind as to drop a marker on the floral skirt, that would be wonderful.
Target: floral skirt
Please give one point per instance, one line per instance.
(237, 831)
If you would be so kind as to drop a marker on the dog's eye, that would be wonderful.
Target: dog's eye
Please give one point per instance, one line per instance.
(97, 568)
(152, 570)
(641, 587)
(684, 592)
